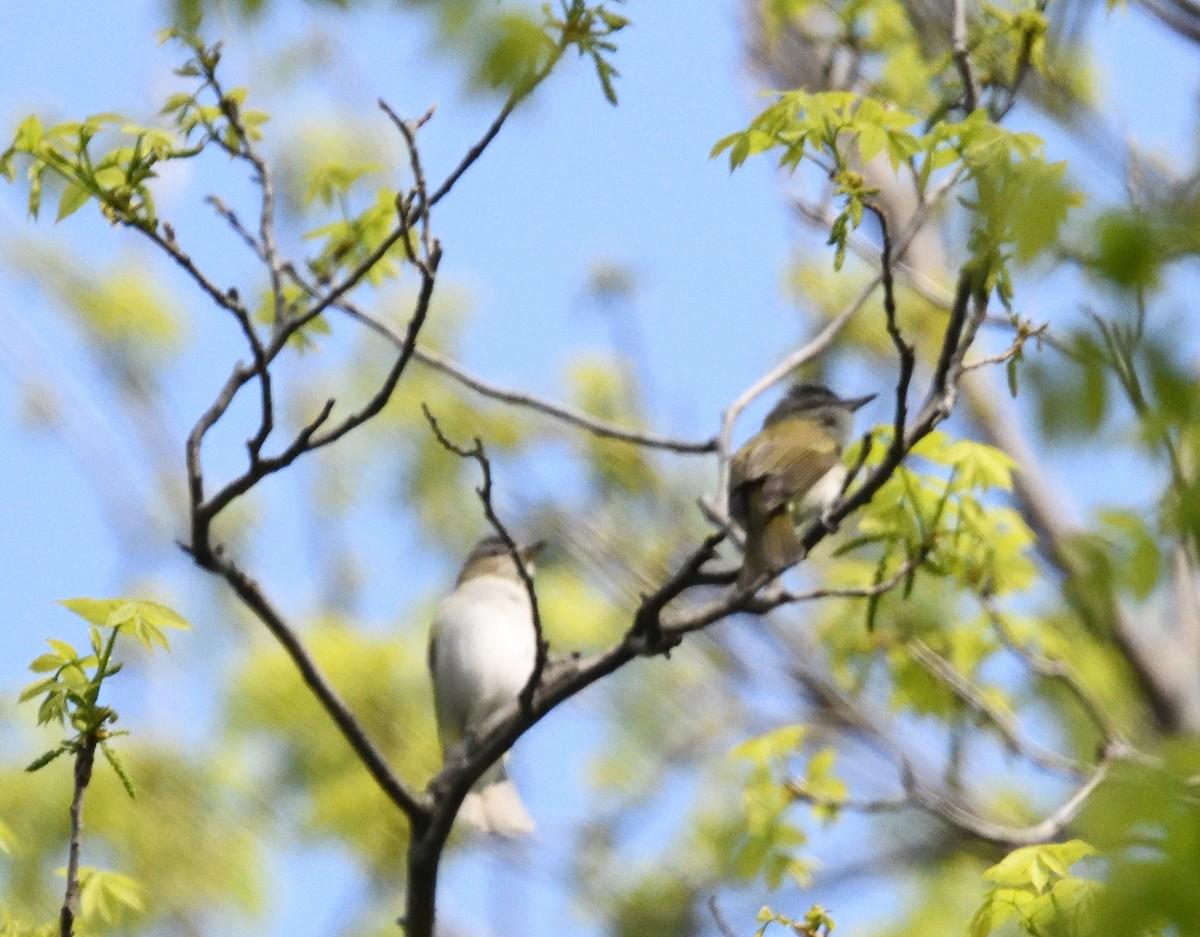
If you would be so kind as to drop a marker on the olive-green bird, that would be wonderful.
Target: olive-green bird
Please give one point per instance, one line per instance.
(789, 473)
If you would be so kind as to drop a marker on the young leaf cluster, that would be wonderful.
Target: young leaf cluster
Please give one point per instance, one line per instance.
(816, 923)
(103, 157)
(113, 161)
(935, 523)
(770, 839)
(70, 694)
(1021, 199)
(1034, 887)
(590, 29)
(225, 120)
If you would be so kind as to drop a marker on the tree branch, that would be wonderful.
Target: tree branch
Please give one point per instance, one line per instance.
(85, 757)
(946, 806)
(569, 415)
(562, 679)
(252, 596)
(962, 56)
(975, 699)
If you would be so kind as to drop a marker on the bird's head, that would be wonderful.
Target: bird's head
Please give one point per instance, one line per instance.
(491, 557)
(817, 403)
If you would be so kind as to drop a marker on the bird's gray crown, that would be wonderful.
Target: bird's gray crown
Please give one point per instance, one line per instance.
(491, 557)
(493, 545)
(809, 398)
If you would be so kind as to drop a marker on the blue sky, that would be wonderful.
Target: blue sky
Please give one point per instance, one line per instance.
(570, 181)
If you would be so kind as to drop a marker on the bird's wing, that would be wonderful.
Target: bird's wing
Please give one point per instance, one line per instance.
(432, 651)
(448, 709)
(769, 460)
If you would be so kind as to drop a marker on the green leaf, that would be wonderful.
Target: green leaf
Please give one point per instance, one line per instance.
(73, 198)
(871, 141)
(54, 707)
(45, 758)
(772, 745)
(119, 768)
(95, 611)
(65, 651)
(1037, 875)
(1139, 556)
(36, 689)
(1130, 250)
(45, 662)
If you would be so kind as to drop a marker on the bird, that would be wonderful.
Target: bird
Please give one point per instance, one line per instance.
(789, 472)
(482, 648)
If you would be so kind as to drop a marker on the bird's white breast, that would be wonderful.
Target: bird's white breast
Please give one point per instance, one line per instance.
(485, 649)
(822, 494)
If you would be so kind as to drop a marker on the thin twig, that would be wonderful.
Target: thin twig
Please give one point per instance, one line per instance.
(1024, 63)
(558, 411)
(246, 150)
(311, 436)
(408, 131)
(490, 134)
(231, 218)
(84, 759)
(1048, 829)
(775, 596)
(945, 805)
(719, 918)
(798, 790)
(974, 698)
(1058, 670)
(648, 618)
(962, 57)
(1016, 348)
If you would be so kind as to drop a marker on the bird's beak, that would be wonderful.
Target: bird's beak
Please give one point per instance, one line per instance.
(530, 551)
(855, 402)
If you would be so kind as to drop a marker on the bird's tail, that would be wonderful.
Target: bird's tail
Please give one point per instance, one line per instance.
(494, 806)
(771, 546)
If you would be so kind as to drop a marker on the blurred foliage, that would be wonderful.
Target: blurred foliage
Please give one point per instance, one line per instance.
(1034, 887)
(671, 821)
(1150, 851)
(384, 682)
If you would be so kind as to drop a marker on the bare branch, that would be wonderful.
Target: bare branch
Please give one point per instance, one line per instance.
(1024, 332)
(974, 698)
(311, 437)
(962, 57)
(85, 758)
(408, 131)
(775, 595)
(519, 95)
(1046, 830)
(648, 618)
(252, 596)
(1059, 670)
(231, 218)
(928, 796)
(719, 918)
(569, 415)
